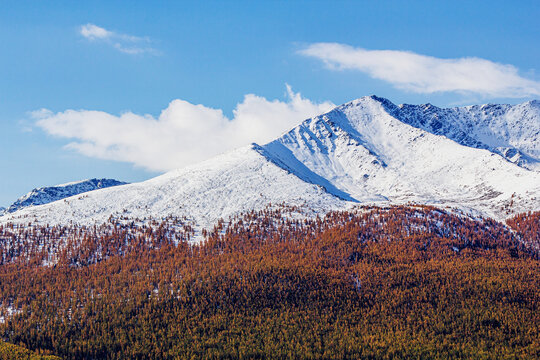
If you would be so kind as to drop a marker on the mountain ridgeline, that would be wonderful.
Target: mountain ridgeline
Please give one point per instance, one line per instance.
(482, 160)
(512, 131)
(48, 194)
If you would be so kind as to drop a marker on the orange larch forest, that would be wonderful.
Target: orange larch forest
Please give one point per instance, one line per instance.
(393, 283)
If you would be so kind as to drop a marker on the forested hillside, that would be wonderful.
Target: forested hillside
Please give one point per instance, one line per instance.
(399, 282)
(14, 352)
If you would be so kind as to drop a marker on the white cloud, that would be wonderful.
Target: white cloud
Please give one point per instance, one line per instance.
(184, 133)
(426, 74)
(128, 44)
(93, 32)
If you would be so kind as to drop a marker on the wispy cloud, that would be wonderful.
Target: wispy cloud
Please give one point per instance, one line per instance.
(184, 133)
(427, 74)
(93, 32)
(125, 43)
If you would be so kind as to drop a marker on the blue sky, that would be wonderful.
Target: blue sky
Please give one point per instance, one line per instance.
(138, 58)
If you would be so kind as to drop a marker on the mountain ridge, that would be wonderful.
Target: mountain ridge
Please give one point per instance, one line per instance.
(368, 151)
(47, 194)
(477, 126)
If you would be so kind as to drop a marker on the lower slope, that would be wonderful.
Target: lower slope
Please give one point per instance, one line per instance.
(241, 180)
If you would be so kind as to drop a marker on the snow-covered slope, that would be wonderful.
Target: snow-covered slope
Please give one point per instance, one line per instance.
(241, 180)
(45, 195)
(512, 131)
(365, 151)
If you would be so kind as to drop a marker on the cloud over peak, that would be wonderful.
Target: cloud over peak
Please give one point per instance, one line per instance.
(427, 74)
(184, 133)
(125, 43)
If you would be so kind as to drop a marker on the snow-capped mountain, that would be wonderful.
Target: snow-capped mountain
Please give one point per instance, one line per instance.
(45, 195)
(366, 151)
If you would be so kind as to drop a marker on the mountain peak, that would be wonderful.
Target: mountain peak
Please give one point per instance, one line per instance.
(369, 150)
(368, 99)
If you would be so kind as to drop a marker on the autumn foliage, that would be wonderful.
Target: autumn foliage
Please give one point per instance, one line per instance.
(527, 226)
(399, 282)
(14, 352)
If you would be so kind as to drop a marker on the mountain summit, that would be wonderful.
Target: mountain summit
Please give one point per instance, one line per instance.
(373, 150)
(476, 158)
